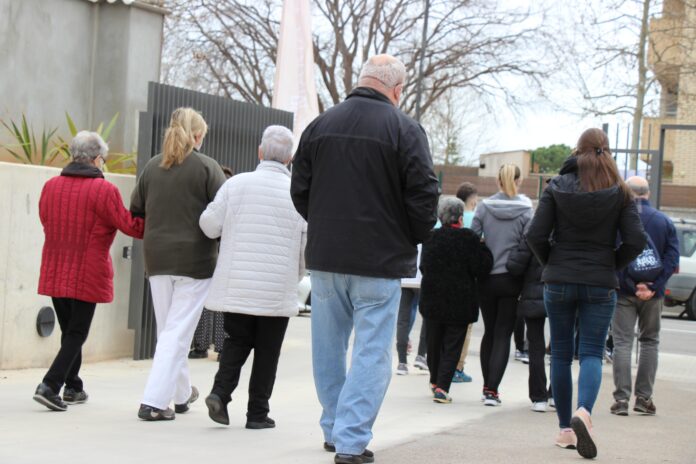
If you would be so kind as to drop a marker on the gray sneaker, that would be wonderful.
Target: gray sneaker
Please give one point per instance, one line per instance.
(182, 408)
(402, 369)
(150, 413)
(71, 396)
(421, 363)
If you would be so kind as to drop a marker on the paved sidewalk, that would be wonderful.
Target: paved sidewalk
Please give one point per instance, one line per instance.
(411, 428)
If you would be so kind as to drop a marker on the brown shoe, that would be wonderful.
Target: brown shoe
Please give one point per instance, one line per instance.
(645, 406)
(619, 408)
(581, 423)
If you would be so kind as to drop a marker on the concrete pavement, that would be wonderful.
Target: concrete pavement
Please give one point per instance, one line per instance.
(410, 428)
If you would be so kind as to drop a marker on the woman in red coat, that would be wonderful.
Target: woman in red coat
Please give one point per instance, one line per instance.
(80, 213)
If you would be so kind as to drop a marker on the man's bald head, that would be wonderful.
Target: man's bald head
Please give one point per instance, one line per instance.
(385, 74)
(639, 186)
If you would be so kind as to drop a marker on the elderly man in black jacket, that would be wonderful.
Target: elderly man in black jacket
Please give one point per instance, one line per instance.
(363, 179)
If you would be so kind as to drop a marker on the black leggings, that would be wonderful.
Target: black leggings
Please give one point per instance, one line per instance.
(537, 352)
(498, 295)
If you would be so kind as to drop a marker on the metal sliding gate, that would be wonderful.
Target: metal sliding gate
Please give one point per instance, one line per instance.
(234, 134)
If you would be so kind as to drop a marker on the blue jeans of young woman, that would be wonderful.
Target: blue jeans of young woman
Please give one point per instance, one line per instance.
(594, 307)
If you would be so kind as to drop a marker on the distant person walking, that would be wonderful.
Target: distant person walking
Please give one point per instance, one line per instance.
(501, 221)
(531, 309)
(573, 234)
(363, 179)
(255, 282)
(80, 212)
(468, 193)
(641, 292)
(454, 258)
(173, 190)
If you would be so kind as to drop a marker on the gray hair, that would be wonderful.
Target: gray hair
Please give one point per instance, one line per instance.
(276, 144)
(87, 146)
(449, 210)
(386, 69)
(640, 190)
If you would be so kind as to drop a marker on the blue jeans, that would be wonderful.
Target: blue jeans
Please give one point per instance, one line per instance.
(351, 398)
(594, 307)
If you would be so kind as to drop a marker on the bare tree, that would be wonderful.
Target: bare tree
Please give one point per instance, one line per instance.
(228, 46)
(625, 60)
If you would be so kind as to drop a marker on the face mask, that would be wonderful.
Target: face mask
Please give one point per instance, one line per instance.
(468, 218)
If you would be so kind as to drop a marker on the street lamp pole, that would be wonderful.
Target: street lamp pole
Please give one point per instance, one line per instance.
(424, 39)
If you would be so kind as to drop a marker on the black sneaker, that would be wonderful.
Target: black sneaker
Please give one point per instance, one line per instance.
(644, 406)
(217, 410)
(265, 423)
(619, 408)
(71, 396)
(182, 408)
(198, 354)
(366, 456)
(46, 396)
(150, 413)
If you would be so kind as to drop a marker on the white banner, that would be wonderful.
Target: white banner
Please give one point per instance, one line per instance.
(294, 88)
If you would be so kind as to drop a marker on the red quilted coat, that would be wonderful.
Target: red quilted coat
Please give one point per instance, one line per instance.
(80, 213)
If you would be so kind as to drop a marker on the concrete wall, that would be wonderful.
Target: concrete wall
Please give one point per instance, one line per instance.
(91, 60)
(21, 241)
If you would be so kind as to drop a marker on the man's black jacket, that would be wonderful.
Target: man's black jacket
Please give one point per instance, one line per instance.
(363, 179)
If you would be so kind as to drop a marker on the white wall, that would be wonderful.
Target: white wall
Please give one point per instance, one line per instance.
(21, 241)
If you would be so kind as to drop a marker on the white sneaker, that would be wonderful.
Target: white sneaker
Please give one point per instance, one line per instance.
(420, 363)
(402, 369)
(539, 406)
(552, 403)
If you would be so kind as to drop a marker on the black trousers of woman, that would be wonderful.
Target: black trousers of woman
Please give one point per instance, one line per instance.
(265, 336)
(404, 322)
(75, 318)
(537, 352)
(444, 349)
(498, 295)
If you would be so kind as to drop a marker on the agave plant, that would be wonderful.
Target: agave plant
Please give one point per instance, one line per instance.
(26, 149)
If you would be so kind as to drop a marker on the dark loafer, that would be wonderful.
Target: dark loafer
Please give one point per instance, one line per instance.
(217, 410)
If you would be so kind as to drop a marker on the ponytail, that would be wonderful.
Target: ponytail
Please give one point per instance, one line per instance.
(507, 177)
(180, 137)
(596, 167)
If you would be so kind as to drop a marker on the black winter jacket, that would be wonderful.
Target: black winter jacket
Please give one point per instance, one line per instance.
(452, 262)
(573, 233)
(363, 179)
(522, 262)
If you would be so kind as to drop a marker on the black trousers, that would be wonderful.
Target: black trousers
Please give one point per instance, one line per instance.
(537, 351)
(498, 297)
(74, 319)
(519, 333)
(404, 322)
(444, 349)
(265, 336)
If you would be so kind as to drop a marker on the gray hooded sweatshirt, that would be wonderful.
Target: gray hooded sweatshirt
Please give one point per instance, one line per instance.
(501, 221)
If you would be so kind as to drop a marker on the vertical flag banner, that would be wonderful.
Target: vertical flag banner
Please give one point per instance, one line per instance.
(294, 88)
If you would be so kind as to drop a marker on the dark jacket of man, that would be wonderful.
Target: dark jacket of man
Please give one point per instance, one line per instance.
(663, 234)
(452, 262)
(522, 263)
(363, 180)
(583, 227)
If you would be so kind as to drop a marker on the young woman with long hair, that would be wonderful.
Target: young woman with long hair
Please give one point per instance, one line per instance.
(574, 235)
(501, 221)
(173, 190)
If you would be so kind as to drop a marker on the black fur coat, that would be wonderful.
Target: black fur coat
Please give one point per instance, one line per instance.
(452, 262)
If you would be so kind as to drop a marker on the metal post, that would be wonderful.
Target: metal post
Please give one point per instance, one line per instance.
(419, 83)
(656, 171)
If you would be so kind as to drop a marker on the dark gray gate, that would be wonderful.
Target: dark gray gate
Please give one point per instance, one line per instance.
(234, 133)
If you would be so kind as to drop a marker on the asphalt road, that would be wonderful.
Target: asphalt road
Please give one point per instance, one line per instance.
(678, 336)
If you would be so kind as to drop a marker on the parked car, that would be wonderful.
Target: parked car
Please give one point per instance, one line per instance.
(680, 294)
(304, 295)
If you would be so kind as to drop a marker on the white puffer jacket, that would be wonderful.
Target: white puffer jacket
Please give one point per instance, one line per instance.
(262, 246)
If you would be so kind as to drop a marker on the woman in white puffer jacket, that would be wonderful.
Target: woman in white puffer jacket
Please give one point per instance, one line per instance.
(255, 282)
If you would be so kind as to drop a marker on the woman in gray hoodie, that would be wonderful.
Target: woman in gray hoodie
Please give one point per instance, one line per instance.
(500, 220)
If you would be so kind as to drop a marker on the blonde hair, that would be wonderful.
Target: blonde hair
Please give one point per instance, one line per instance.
(179, 139)
(507, 176)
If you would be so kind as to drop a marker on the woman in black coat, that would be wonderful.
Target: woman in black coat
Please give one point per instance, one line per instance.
(453, 260)
(574, 234)
(522, 263)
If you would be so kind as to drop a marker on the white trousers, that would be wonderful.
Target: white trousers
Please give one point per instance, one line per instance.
(178, 303)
